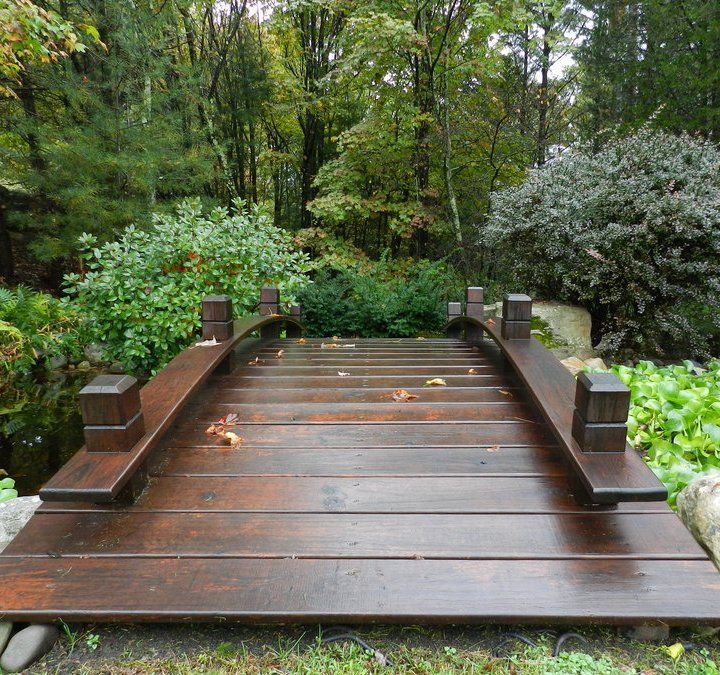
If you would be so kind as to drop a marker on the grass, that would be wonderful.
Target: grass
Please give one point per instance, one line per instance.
(220, 650)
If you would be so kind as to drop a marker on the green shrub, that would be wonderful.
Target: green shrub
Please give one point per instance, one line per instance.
(142, 293)
(7, 489)
(34, 327)
(631, 232)
(675, 419)
(385, 301)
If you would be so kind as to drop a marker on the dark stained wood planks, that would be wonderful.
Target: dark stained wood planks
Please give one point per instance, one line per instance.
(352, 535)
(343, 506)
(376, 494)
(362, 591)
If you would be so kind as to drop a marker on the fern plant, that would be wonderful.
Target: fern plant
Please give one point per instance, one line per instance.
(34, 328)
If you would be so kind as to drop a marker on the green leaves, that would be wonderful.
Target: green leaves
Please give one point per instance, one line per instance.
(7, 490)
(675, 419)
(142, 294)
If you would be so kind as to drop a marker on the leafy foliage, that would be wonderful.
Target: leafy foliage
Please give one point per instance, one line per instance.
(631, 232)
(675, 419)
(385, 301)
(7, 489)
(35, 327)
(142, 293)
(29, 34)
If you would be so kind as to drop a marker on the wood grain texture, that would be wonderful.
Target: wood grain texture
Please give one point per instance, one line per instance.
(378, 494)
(356, 462)
(100, 477)
(339, 535)
(361, 591)
(606, 477)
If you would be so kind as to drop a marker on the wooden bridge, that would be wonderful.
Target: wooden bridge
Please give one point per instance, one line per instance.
(506, 494)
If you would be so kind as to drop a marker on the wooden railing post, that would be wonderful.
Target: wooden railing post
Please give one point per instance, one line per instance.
(474, 309)
(217, 317)
(269, 305)
(291, 330)
(454, 310)
(110, 407)
(515, 322)
(602, 403)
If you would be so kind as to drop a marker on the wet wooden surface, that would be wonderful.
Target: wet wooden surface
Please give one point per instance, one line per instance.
(345, 505)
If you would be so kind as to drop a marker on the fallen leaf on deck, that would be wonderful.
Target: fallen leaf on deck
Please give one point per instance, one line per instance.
(472, 371)
(301, 341)
(342, 374)
(279, 355)
(403, 396)
(493, 448)
(256, 361)
(490, 322)
(328, 345)
(436, 382)
(420, 337)
(505, 393)
(233, 439)
(207, 343)
(229, 420)
(335, 338)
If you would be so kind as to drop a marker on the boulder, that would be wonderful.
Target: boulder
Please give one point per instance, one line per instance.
(596, 363)
(571, 325)
(699, 506)
(13, 516)
(574, 364)
(116, 368)
(27, 646)
(94, 353)
(5, 630)
(84, 365)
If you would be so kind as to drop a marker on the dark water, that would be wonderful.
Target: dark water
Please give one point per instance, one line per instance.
(40, 427)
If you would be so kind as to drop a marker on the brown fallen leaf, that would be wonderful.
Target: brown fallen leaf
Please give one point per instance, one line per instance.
(301, 341)
(403, 396)
(234, 440)
(255, 362)
(504, 392)
(328, 345)
(436, 382)
(493, 448)
(279, 355)
(335, 338)
(342, 374)
(472, 371)
(420, 337)
(490, 322)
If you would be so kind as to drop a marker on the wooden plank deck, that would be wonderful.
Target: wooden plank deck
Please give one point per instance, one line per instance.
(343, 505)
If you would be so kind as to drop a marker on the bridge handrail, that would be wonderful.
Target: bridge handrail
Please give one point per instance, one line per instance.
(605, 477)
(101, 476)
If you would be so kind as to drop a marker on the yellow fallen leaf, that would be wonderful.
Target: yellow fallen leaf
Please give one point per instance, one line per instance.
(256, 361)
(472, 371)
(301, 341)
(674, 651)
(403, 396)
(505, 393)
(436, 382)
(279, 355)
(328, 345)
(233, 439)
(493, 448)
(420, 337)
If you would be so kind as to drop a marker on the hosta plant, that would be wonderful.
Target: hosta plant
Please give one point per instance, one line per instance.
(7, 489)
(142, 293)
(675, 419)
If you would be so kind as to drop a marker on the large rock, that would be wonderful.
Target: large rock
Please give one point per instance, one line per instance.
(28, 646)
(94, 353)
(569, 324)
(699, 507)
(13, 516)
(5, 630)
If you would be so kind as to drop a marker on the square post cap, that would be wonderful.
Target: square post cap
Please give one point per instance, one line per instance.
(602, 397)
(454, 309)
(517, 307)
(474, 294)
(269, 295)
(217, 308)
(110, 400)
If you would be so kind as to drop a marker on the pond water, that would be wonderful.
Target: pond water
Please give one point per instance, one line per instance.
(40, 427)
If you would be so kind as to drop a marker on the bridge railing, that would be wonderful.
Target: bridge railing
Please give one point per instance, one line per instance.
(124, 423)
(587, 417)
